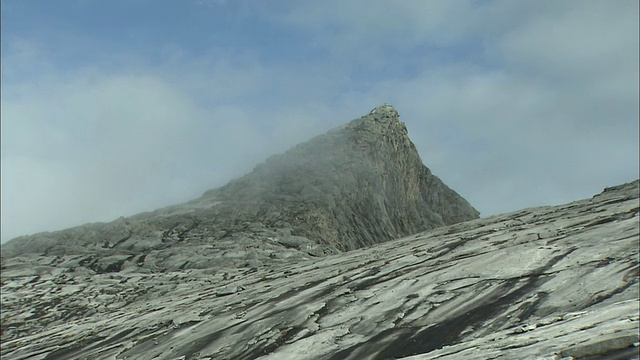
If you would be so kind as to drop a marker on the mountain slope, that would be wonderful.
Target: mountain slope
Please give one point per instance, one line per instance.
(541, 283)
(360, 184)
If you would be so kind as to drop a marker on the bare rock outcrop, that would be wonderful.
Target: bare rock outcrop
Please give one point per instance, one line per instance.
(555, 282)
(357, 185)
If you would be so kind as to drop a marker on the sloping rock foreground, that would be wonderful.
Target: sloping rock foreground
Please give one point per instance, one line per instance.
(357, 185)
(541, 283)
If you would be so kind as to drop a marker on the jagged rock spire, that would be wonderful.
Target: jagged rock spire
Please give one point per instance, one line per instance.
(385, 110)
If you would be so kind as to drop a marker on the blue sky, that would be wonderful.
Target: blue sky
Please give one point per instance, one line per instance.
(111, 108)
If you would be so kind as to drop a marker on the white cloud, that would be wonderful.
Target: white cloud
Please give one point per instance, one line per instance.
(97, 143)
(553, 93)
(575, 39)
(91, 145)
(512, 103)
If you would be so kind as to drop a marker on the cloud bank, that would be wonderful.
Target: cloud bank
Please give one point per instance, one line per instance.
(512, 103)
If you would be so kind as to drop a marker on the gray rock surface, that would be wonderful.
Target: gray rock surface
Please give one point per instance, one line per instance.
(555, 282)
(357, 185)
(258, 269)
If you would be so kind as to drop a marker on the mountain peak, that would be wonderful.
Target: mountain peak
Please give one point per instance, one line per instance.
(385, 111)
(357, 185)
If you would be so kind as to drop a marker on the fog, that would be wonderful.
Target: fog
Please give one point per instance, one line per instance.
(511, 103)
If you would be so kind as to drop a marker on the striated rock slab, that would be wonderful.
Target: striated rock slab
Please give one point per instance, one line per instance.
(542, 283)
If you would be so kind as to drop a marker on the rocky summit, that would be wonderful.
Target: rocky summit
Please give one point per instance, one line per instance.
(360, 184)
(258, 269)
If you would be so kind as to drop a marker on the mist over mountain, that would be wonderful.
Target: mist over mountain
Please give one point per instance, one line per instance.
(360, 184)
(343, 247)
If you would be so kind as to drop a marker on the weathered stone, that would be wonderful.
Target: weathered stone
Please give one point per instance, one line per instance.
(294, 241)
(474, 290)
(607, 344)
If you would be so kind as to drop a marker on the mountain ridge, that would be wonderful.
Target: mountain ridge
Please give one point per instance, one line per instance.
(359, 184)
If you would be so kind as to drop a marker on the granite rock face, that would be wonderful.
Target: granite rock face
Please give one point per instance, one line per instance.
(555, 282)
(360, 184)
(258, 269)
(355, 186)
